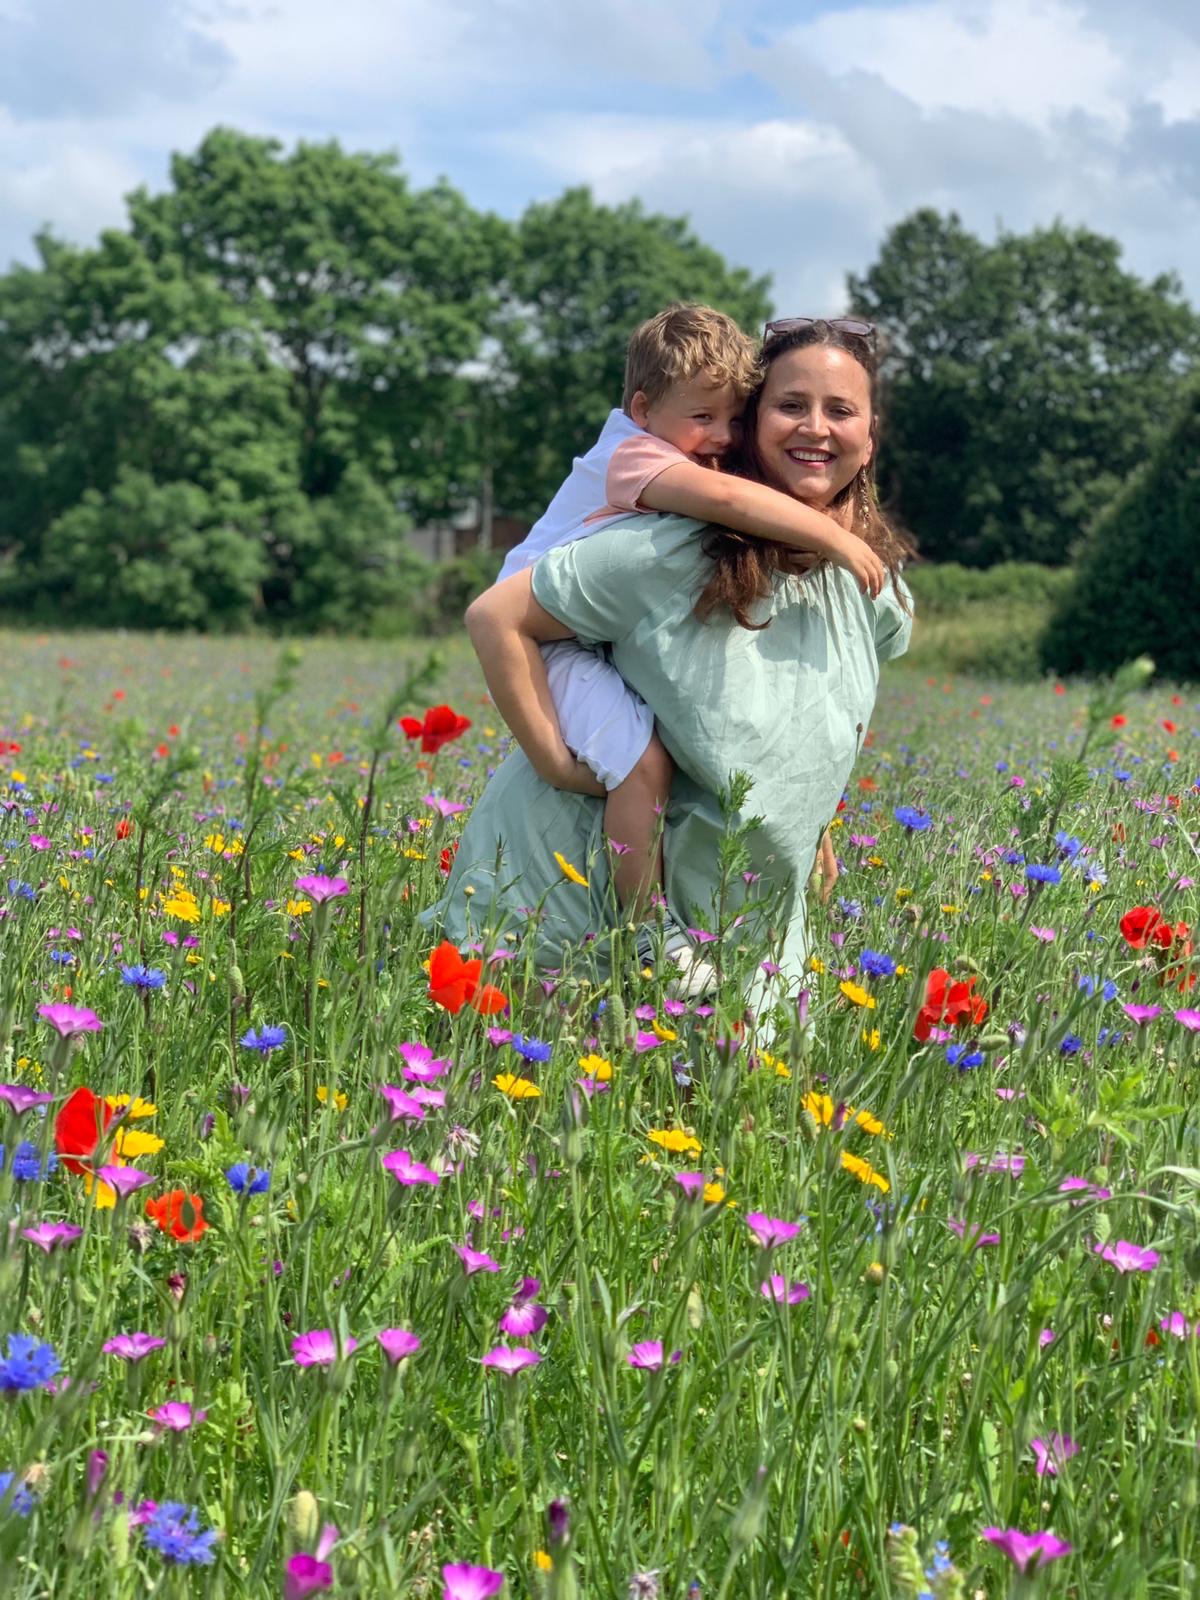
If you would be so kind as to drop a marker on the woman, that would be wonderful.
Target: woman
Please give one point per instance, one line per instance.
(748, 666)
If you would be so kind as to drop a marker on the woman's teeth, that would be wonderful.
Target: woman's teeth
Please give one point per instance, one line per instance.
(811, 457)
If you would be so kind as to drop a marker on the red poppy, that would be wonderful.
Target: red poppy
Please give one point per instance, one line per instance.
(446, 859)
(948, 1002)
(178, 1213)
(454, 983)
(440, 726)
(1119, 721)
(78, 1126)
(1168, 725)
(124, 828)
(1142, 924)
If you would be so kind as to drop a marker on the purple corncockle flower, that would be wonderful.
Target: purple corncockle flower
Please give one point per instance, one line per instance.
(1083, 1190)
(1052, 1452)
(1046, 935)
(1013, 1166)
(421, 1065)
(306, 1575)
(69, 1022)
(976, 1237)
(475, 1260)
(509, 1360)
(496, 1036)
(124, 1180)
(132, 1346)
(397, 1343)
(1189, 1019)
(444, 808)
(523, 1321)
(692, 1183)
(38, 841)
(528, 1289)
(434, 1098)
(1127, 1257)
(702, 936)
(648, 1356)
(319, 1348)
(465, 1582)
(645, 1041)
(1026, 1551)
(1005, 1093)
(319, 889)
(401, 1104)
(780, 1290)
(176, 1416)
(97, 1468)
(770, 1231)
(51, 1236)
(22, 1098)
(1178, 1327)
(1046, 1337)
(407, 1171)
(1142, 1014)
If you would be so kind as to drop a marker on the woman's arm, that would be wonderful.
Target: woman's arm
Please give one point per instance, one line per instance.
(505, 625)
(754, 508)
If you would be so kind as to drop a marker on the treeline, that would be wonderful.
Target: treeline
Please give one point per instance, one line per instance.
(236, 407)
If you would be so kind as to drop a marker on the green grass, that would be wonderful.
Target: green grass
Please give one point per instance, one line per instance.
(773, 1456)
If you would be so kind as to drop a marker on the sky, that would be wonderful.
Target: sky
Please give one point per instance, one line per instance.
(792, 132)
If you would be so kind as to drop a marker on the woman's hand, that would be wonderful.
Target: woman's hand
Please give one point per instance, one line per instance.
(827, 861)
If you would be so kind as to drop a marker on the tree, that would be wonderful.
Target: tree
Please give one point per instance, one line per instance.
(1137, 586)
(583, 277)
(1025, 380)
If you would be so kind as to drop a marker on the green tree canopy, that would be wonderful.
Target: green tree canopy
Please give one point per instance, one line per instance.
(1137, 587)
(1026, 378)
(583, 277)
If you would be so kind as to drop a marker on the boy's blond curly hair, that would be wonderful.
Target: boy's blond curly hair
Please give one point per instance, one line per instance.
(687, 341)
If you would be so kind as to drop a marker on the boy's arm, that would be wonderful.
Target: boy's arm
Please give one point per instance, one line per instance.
(754, 508)
(506, 625)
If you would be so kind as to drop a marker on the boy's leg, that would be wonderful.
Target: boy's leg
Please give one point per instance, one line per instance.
(633, 823)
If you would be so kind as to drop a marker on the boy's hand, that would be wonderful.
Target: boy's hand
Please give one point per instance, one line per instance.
(855, 556)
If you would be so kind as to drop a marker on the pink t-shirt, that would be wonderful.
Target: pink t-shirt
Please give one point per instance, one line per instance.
(632, 468)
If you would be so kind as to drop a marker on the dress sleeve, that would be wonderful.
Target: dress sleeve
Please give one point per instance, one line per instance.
(633, 466)
(603, 586)
(893, 625)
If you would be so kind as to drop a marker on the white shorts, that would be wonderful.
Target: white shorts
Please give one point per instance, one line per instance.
(604, 722)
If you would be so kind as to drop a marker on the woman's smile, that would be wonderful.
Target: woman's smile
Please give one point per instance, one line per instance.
(814, 422)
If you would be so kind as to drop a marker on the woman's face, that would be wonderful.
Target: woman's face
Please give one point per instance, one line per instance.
(814, 422)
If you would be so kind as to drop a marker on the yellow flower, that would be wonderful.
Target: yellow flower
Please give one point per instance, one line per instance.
(220, 908)
(951, 911)
(713, 1194)
(819, 1108)
(132, 1143)
(815, 964)
(341, 1100)
(516, 1088)
(183, 907)
(874, 861)
(17, 777)
(299, 908)
(857, 995)
(870, 1123)
(864, 1171)
(572, 874)
(414, 855)
(542, 1561)
(597, 1067)
(137, 1108)
(779, 1068)
(104, 1195)
(903, 894)
(676, 1141)
(667, 1035)
(296, 855)
(871, 1038)
(65, 883)
(985, 877)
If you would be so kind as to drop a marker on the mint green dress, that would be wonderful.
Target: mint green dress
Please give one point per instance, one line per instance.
(788, 706)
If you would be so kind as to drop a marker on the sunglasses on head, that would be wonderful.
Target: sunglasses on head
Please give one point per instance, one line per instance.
(862, 330)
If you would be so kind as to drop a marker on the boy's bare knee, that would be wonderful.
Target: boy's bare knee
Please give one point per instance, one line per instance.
(655, 767)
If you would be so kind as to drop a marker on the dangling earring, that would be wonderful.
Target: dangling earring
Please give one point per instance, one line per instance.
(864, 497)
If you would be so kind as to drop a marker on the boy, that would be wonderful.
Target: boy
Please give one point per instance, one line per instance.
(688, 372)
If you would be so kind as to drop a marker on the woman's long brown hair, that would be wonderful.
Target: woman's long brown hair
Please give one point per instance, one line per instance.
(745, 569)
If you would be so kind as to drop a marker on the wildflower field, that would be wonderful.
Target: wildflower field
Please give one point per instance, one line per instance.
(335, 1262)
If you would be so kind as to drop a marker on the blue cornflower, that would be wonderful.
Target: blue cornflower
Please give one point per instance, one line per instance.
(27, 1165)
(245, 1179)
(62, 958)
(174, 1531)
(1120, 774)
(1039, 874)
(28, 1365)
(139, 977)
(1110, 990)
(1002, 766)
(964, 1058)
(912, 819)
(1068, 844)
(530, 1049)
(1071, 1044)
(850, 908)
(876, 964)
(268, 1038)
(22, 890)
(1109, 1036)
(1013, 858)
(22, 1501)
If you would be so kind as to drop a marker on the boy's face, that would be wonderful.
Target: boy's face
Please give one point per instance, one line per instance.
(697, 417)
